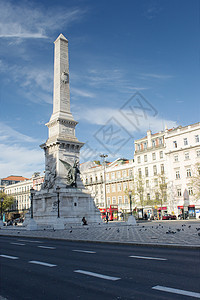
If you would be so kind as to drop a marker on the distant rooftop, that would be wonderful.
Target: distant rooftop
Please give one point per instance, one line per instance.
(15, 178)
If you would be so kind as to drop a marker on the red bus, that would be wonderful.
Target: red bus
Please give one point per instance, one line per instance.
(112, 211)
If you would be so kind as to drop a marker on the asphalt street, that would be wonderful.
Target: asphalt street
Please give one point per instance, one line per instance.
(54, 269)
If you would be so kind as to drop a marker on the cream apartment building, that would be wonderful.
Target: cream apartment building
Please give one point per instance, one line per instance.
(182, 159)
(109, 184)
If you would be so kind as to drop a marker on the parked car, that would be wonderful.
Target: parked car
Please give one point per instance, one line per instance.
(169, 217)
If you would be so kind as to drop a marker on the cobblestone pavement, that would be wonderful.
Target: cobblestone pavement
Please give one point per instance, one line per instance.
(174, 233)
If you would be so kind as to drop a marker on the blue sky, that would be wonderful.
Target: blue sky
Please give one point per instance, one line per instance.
(127, 54)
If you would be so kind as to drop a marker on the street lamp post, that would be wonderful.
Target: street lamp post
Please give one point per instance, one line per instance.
(32, 191)
(130, 197)
(103, 156)
(2, 199)
(58, 191)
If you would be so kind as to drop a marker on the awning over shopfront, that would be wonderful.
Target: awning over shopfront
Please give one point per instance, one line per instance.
(163, 208)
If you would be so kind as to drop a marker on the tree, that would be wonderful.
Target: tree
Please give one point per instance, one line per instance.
(195, 181)
(7, 201)
(161, 190)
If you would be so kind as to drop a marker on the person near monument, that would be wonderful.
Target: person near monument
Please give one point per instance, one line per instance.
(84, 221)
(107, 218)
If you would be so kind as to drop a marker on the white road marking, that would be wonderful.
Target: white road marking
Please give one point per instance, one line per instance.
(176, 291)
(30, 241)
(46, 247)
(8, 256)
(97, 275)
(19, 244)
(41, 263)
(146, 257)
(84, 251)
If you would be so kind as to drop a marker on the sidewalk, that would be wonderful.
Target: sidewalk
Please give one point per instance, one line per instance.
(155, 233)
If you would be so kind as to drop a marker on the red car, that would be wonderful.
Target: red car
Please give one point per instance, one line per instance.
(169, 217)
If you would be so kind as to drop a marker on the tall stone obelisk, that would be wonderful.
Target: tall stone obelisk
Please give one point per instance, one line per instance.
(63, 198)
(62, 144)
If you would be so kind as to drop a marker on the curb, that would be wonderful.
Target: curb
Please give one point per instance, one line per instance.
(112, 242)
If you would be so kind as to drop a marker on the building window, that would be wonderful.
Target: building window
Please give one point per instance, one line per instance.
(179, 192)
(187, 155)
(138, 147)
(114, 200)
(124, 173)
(146, 172)
(197, 138)
(113, 175)
(138, 160)
(161, 154)
(178, 175)
(154, 170)
(125, 186)
(145, 145)
(145, 158)
(185, 141)
(107, 188)
(198, 171)
(119, 187)
(125, 199)
(131, 185)
(188, 173)
(119, 199)
(147, 183)
(154, 156)
(175, 157)
(139, 173)
(162, 169)
(153, 143)
(118, 174)
(148, 197)
(156, 182)
(190, 191)
(108, 201)
(160, 141)
(130, 173)
(107, 176)
(113, 187)
(175, 144)
(198, 153)
(90, 179)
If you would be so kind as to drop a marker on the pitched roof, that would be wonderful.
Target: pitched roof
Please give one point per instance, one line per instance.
(15, 178)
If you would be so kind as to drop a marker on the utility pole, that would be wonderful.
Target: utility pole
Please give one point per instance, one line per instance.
(103, 156)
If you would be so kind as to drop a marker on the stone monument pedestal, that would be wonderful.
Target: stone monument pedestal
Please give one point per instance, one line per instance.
(32, 225)
(74, 204)
(131, 220)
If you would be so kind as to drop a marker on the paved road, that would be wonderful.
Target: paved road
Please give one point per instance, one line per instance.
(54, 269)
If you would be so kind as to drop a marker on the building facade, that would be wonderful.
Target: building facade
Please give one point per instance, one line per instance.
(182, 160)
(160, 176)
(21, 192)
(109, 184)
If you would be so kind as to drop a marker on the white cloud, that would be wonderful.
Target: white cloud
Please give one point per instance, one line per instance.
(100, 116)
(11, 135)
(36, 84)
(18, 160)
(156, 76)
(82, 93)
(26, 20)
